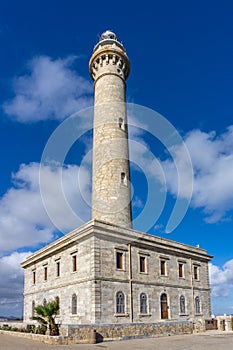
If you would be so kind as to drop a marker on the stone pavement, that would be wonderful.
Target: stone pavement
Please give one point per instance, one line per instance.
(211, 340)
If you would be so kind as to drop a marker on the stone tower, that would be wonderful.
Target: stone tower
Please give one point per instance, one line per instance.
(111, 193)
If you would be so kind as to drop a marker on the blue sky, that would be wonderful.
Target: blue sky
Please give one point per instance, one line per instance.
(181, 56)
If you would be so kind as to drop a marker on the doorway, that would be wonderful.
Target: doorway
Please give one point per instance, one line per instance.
(164, 306)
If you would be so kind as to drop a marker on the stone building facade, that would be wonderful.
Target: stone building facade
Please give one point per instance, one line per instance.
(105, 272)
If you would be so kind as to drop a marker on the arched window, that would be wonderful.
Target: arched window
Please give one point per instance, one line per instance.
(197, 305)
(120, 303)
(143, 303)
(44, 302)
(33, 308)
(58, 301)
(74, 304)
(182, 304)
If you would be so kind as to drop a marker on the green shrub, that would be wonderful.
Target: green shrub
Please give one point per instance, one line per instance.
(31, 328)
(6, 327)
(41, 329)
(15, 329)
(23, 330)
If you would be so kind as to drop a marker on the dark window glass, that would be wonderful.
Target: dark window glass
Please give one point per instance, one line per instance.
(195, 270)
(58, 268)
(34, 277)
(124, 179)
(74, 260)
(142, 264)
(121, 125)
(45, 273)
(181, 271)
(163, 267)
(119, 260)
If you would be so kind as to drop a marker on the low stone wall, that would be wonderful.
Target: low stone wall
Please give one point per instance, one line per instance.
(18, 324)
(61, 340)
(74, 334)
(81, 333)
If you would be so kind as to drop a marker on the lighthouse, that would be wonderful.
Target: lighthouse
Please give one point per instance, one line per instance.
(111, 193)
(109, 279)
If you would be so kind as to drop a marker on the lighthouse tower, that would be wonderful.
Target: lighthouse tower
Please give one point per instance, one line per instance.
(111, 194)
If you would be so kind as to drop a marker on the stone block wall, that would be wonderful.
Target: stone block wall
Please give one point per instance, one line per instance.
(107, 332)
(151, 282)
(69, 282)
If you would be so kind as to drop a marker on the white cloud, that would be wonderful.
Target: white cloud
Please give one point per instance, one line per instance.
(11, 287)
(212, 159)
(159, 227)
(221, 279)
(137, 202)
(50, 90)
(24, 221)
(23, 218)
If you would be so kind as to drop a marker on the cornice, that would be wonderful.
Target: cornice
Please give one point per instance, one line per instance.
(117, 233)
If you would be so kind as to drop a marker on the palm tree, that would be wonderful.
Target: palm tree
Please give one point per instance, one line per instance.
(46, 316)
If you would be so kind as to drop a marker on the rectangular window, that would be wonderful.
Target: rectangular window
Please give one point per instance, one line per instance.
(142, 262)
(74, 263)
(123, 179)
(163, 267)
(195, 272)
(45, 273)
(119, 260)
(121, 123)
(58, 268)
(181, 270)
(34, 277)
